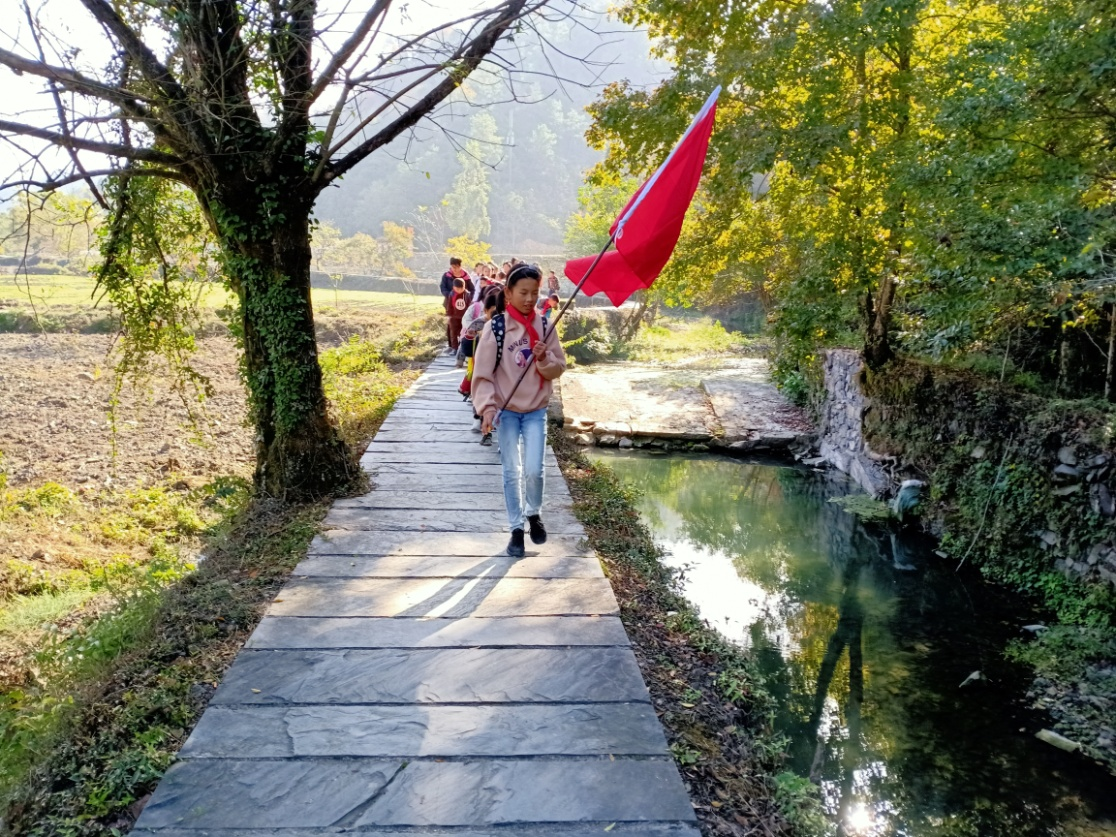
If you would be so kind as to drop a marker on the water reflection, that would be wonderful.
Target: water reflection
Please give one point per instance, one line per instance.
(866, 639)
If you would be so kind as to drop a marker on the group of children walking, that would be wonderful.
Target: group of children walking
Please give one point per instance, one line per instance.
(512, 357)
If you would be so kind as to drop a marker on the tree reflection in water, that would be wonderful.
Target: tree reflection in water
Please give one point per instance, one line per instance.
(865, 639)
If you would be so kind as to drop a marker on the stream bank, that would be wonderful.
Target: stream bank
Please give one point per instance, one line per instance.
(1021, 487)
(885, 666)
(707, 692)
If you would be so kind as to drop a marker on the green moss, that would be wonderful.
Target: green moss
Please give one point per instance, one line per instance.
(864, 507)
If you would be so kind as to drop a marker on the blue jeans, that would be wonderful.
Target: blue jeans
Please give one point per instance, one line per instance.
(522, 447)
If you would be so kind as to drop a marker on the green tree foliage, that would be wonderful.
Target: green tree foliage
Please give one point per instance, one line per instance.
(361, 253)
(54, 227)
(158, 256)
(599, 202)
(469, 250)
(914, 173)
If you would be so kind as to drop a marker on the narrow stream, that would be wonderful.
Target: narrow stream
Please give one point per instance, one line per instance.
(887, 664)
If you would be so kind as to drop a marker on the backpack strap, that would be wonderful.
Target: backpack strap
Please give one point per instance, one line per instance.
(499, 328)
(498, 331)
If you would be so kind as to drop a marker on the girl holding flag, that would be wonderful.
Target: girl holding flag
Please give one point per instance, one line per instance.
(518, 413)
(512, 387)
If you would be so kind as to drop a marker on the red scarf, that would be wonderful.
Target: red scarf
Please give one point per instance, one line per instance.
(532, 334)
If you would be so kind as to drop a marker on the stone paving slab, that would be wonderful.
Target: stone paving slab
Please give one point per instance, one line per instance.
(313, 792)
(441, 566)
(468, 443)
(303, 632)
(412, 679)
(466, 544)
(432, 454)
(401, 436)
(449, 475)
(440, 392)
(496, 792)
(441, 499)
(420, 454)
(458, 454)
(452, 597)
(430, 731)
(463, 479)
(472, 483)
(437, 400)
(468, 675)
(429, 431)
(628, 829)
(411, 416)
(205, 793)
(398, 520)
(409, 419)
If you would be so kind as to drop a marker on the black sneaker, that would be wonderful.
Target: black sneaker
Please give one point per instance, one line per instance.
(515, 545)
(538, 531)
(486, 440)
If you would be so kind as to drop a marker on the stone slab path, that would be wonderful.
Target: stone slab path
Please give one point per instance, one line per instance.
(411, 679)
(729, 403)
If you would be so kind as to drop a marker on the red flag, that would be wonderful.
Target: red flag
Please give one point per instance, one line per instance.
(648, 228)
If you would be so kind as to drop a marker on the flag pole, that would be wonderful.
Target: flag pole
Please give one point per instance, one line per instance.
(554, 330)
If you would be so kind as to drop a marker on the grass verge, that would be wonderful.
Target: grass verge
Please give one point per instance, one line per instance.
(712, 702)
(675, 339)
(110, 695)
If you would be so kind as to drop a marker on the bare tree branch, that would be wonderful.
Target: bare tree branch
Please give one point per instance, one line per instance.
(53, 184)
(68, 79)
(63, 121)
(352, 44)
(185, 118)
(292, 49)
(458, 70)
(147, 155)
(328, 147)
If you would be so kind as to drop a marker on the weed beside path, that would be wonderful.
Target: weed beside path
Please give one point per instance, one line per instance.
(711, 701)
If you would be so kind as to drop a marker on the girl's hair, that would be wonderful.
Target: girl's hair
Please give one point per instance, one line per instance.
(524, 271)
(494, 298)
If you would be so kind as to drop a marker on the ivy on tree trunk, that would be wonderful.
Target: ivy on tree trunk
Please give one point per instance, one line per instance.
(267, 261)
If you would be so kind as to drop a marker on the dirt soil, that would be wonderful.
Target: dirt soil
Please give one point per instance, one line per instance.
(55, 391)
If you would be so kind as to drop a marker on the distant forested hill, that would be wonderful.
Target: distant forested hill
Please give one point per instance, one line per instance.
(503, 171)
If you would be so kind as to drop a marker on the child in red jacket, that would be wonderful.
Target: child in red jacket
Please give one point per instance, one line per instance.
(456, 303)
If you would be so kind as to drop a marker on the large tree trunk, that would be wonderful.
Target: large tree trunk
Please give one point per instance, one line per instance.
(299, 453)
(1110, 360)
(877, 343)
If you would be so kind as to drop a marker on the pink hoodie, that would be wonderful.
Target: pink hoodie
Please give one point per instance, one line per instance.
(490, 386)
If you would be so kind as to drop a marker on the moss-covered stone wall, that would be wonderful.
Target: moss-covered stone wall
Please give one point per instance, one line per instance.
(1022, 486)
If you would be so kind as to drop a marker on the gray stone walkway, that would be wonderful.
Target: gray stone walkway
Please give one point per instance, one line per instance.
(410, 678)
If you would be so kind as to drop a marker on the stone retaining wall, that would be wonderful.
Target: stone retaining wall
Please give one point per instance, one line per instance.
(842, 423)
